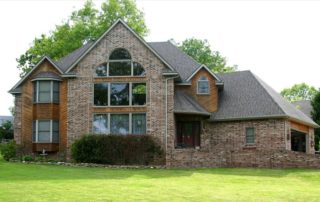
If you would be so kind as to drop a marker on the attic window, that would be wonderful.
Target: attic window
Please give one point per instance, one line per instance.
(120, 64)
(203, 86)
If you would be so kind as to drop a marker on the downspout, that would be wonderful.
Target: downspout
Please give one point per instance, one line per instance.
(166, 112)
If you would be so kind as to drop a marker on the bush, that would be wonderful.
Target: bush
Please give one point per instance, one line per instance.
(27, 158)
(8, 150)
(117, 150)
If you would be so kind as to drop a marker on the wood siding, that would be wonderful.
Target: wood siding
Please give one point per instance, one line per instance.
(299, 127)
(210, 101)
(32, 111)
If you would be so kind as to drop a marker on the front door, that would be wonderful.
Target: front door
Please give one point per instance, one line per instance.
(188, 134)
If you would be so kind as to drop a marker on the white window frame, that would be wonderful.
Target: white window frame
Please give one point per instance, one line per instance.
(202, 80)
(51, 131)
(51, 91)
(109, 122)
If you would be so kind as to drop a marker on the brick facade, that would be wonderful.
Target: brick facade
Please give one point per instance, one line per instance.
(223, 145)
(80, 93)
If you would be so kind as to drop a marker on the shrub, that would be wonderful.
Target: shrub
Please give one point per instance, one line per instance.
(8, 150)
(116, 149)
(27, 158)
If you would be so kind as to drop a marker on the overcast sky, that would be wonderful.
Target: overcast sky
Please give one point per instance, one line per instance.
(277, 40)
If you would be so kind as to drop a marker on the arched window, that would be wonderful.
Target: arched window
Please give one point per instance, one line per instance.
(120, 64)
(203, 85)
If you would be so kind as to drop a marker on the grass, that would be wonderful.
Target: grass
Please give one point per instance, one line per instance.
(22, 182)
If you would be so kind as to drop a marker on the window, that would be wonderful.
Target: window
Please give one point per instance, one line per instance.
(138, 124)
(46, 91)
(188, 134)
(100, 124)
(250, 139)
(120, 64)
(203, 85)
(101, 70)
(138, 94)
(45, 131)
(121, 94)
(119, 124)
(101, 94)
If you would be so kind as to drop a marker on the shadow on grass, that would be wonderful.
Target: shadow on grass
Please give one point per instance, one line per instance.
(24, 172)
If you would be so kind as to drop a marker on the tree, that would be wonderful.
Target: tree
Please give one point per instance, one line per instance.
(6, 130)
(298, 92)
(200, 50)
(315, 102)
(83, 25)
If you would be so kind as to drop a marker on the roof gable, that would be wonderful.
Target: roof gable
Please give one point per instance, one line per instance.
(103, 35)
(45, 58)
(207, 69)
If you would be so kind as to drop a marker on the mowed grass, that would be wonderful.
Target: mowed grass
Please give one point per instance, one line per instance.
(22, 182)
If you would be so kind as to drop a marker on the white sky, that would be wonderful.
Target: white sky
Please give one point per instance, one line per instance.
(277, 40)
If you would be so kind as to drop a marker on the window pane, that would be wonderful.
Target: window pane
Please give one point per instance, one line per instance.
(56, 91)
(119, 94)
(34, 91)
(203, 87)
(119, 123)
(138, 94)
(138, 124)
(120, 68)
(100, 124)
(101, 94)
(44, 86)
(34, 131)
(138, 70)
(101, 70)
(44, 137)
(43, 131)
(44, 126)
(249, 135)
(55, 131)
(44, 91)
(120, 54)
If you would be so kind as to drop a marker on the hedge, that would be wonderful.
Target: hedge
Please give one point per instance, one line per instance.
(117, 150)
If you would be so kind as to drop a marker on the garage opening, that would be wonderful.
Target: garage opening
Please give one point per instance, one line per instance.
(298, 141)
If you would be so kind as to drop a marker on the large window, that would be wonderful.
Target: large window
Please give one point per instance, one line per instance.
(203, 85)
(119, 94)
(46, 91)
(120, 64)
(101, 94)
(119, 124)
(45, 131)
(250, 137)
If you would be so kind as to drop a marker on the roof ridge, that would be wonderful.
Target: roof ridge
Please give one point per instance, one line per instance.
(273, 100)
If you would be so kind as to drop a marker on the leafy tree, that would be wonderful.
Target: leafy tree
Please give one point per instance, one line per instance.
(200, 50)
(298, 92)
(83, 25)
(316, 117)
(6, 131)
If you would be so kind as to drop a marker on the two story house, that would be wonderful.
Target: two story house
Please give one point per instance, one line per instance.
(121, 84)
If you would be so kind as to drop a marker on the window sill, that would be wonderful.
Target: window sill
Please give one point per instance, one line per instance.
(119, 106)
(203, 93)
(250, 147)
(188, 148)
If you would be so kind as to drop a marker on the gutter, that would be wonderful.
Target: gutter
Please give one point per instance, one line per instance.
(166, 111)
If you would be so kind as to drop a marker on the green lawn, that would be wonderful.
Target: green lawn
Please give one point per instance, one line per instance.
(21, 182)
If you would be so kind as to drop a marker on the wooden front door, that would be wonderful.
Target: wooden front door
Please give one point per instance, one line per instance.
(188, 134)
